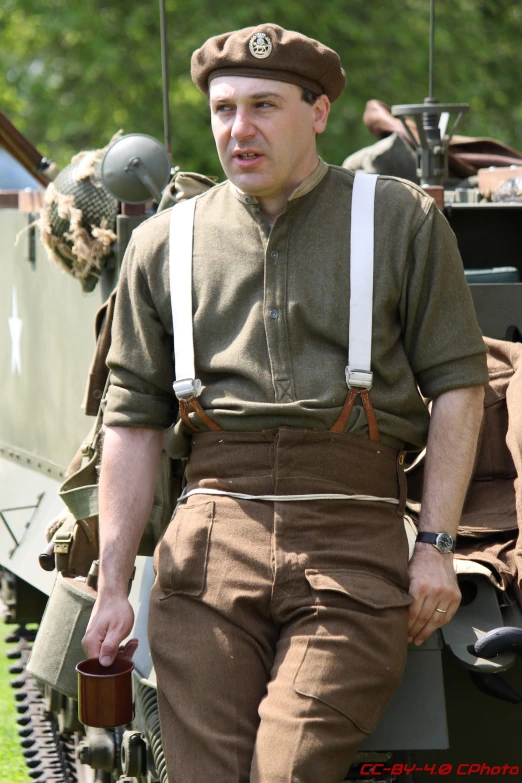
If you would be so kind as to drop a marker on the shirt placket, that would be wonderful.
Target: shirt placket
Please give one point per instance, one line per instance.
(276, 310)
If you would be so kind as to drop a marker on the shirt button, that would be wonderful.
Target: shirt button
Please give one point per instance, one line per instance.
(248, 200)
(274, 314)
(274, 254)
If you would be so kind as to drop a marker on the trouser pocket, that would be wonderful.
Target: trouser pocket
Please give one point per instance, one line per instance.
(182, 554)
(354, 660)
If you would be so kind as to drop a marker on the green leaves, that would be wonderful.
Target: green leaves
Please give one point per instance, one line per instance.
(73, 73)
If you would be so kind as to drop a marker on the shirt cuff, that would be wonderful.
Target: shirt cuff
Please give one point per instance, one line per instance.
(126, 408)
(468, 371)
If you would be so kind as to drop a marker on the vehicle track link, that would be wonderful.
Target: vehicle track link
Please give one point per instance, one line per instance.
(49, 754)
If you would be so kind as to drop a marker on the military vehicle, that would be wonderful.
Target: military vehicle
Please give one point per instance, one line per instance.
(454, 713)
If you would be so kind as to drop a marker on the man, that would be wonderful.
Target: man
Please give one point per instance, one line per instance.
(278, 628)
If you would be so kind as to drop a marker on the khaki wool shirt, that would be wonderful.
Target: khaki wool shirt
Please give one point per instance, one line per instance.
(271, 313)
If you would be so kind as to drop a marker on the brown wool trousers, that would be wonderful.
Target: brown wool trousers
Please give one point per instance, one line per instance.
(278, 630)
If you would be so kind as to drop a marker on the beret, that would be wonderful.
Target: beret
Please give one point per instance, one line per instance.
(269, 52)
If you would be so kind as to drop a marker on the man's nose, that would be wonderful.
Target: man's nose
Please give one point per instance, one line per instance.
(242, 127)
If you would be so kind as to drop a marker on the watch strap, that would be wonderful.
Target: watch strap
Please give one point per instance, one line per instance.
(427, 538)
(431, 538)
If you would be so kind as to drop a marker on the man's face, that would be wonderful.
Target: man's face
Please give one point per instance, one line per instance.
(265, 133)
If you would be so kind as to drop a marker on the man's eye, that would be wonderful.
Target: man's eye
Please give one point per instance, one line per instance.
(223, 107)
(264, 105)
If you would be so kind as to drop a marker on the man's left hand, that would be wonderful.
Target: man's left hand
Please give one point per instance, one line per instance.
(433, 585)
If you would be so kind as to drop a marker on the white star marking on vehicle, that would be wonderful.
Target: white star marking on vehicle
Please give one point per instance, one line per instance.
(15, 327)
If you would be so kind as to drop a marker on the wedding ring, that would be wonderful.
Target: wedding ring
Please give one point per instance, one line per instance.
(442, 611)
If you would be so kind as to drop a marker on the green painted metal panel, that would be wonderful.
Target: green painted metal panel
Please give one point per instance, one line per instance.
(46, 345)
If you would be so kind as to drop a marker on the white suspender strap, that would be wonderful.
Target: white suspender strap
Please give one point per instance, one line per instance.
(180, 273)
(358, 371)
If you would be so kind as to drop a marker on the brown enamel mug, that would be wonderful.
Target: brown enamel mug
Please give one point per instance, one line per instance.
(105, 693)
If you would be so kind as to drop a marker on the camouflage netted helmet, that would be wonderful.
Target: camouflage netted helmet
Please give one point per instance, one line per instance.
(79, 219)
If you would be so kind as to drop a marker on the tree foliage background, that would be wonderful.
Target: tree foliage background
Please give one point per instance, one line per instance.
(72, 73)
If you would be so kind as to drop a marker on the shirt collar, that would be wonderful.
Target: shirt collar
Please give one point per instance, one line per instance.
(308, 184)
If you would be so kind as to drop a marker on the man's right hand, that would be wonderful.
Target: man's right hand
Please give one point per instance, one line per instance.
(111, 622)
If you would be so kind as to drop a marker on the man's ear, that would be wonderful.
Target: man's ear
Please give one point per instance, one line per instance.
(321, 110)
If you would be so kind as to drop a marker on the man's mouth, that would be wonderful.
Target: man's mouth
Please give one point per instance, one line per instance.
(247, 156)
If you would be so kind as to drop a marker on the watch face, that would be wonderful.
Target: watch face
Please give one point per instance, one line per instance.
(444, 542)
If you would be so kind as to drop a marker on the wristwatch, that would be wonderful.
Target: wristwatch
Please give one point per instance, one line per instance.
(444, 542)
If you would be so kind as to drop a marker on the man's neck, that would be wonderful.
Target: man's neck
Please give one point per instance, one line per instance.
(273, 206)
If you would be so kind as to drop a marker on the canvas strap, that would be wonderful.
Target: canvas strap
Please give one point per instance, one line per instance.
(186, 385)
(358, 370)
(359, 376)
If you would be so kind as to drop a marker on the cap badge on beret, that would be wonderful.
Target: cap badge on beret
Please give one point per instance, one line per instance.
(260, 45)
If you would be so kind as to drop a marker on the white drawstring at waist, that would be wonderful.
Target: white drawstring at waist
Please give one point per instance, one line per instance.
(410, 528)
(279, 498)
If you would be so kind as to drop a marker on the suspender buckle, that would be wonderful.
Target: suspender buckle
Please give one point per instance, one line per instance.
(358, 379)
(186, 388)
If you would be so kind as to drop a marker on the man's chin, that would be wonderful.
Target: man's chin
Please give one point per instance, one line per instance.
(251, 182)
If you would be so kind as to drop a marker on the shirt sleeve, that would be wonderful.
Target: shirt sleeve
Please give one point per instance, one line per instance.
(141, 354)
(441, 335)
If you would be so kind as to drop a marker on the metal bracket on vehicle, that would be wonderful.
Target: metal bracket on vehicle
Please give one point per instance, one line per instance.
(478, 614)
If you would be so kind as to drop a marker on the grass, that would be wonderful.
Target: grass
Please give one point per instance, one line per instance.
(12, 765)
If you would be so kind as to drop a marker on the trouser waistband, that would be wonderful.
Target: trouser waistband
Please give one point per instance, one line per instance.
(288, 461)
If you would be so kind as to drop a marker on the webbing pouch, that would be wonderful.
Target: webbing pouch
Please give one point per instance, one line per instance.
(77, 541)
(58, 645)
